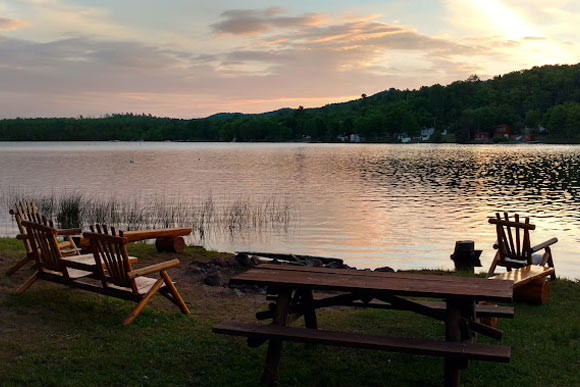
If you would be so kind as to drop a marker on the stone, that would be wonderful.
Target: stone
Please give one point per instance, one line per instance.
(237, 292)
(214, 279)
(244, 260)
(312, 262)
(385, 269)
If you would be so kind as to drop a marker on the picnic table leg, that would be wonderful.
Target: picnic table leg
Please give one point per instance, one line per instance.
(309, 309)
(456, 330)
(275, 345)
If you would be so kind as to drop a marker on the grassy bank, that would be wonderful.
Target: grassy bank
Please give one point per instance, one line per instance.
(52, 335)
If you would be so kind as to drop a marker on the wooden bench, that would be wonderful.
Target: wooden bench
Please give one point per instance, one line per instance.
(529, 283)
(456, 350)
(482, 310)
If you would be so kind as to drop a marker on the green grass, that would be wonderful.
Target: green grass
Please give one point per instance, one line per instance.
(53, 336)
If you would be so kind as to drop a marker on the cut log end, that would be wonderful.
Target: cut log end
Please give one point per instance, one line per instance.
(172, 245)
(536, 292)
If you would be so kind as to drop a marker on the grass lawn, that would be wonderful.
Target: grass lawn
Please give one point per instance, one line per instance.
(52, 335)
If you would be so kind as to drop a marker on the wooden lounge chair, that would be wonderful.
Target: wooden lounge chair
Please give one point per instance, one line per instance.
(525, 266)
(119, 279)
(28, 211)
(50, 263)
(513, 246)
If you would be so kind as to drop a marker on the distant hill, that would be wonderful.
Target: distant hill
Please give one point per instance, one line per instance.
(543, 100)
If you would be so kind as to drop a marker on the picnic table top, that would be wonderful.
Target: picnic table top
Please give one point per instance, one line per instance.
(401, 283)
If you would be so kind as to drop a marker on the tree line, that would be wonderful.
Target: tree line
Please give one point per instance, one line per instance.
(547, 97)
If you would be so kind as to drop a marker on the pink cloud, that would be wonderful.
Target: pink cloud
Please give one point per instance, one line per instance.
(11, 24)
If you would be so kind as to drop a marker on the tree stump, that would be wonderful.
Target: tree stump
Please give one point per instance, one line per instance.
(171, 245)
(536, 292)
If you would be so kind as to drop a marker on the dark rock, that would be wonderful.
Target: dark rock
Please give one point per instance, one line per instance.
(312, 262)
(335, 265)
(385, 269)
(214, 279)
(244, 260)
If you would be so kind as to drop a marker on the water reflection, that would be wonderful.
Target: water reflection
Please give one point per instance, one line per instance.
(374, 205)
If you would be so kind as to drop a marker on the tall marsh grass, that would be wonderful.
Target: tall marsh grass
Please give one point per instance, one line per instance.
(205, 216)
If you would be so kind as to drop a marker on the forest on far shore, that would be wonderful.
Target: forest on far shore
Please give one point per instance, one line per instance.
(543, 100)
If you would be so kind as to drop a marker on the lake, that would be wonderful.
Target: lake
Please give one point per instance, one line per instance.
(371, 204)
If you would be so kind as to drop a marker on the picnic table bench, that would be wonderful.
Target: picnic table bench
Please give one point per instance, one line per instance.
(291, 288)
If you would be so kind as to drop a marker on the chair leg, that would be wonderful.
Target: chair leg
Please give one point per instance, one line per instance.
(493, 265)
(22, 288)
(18, 265)
(173, 290)
(141, 304)
(549, 261)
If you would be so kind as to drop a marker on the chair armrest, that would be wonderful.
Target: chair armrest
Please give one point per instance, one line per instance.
(496, 244)
(545, 244)
(22, 237)
(69, 231)
(153, 268)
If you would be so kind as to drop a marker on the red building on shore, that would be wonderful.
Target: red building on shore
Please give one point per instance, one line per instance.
(502, 130)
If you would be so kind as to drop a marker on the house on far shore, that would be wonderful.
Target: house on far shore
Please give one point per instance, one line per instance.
(426, 133)
(356, 138)
(502, 131)
(481, 136)
(403, 137)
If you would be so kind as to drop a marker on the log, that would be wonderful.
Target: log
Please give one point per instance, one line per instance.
(171, 245)
(535, 292)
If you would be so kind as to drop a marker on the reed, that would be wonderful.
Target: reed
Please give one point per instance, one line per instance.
(206, 216)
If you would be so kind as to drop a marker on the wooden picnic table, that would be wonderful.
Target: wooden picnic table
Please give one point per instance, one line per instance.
(291, 288)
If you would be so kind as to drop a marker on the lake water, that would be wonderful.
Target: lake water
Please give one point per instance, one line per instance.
(372, 205)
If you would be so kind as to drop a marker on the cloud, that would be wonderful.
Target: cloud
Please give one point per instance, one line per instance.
(11, 24)
(252, 22)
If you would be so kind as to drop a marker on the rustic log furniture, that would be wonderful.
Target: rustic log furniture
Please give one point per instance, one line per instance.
(110, 265)
(291, 288)
(514, 251)
(119, 279)
(28, 211)
(166, 239)
(513, 245)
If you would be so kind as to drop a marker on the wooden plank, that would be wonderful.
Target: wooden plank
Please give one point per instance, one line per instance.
(379, 274)
(524, 275)
(478, 289)
(458, 350)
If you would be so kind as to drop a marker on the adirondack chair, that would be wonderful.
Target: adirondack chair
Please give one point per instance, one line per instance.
(513, 245)
(51, 265)
(28, 211)
(118, 277)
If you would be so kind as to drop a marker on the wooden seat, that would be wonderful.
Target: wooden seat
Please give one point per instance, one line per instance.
(47, 255)
(119, 279)
(513, 245)
(525, 275)
(456, 350)
(28, 211)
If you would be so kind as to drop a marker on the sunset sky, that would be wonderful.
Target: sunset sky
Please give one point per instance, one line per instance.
(184, 58)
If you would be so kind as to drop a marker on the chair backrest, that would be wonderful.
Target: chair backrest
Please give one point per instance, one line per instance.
(25, 211)
(111, 256)
(44, 245)
(513, 239)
